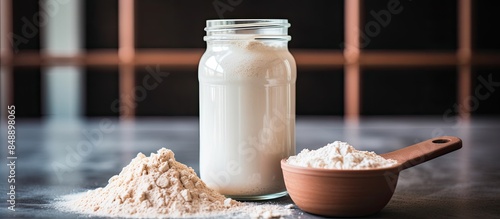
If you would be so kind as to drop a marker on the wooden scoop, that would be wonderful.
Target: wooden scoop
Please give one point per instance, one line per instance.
(352, 193)
(427, 150)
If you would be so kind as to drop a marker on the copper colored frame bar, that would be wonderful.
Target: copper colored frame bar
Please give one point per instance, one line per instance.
(7, 54)
(126, 55)
(464, 56)
(352, 51)
(305, 58)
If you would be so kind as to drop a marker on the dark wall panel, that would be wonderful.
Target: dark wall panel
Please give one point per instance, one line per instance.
(174, 24)
(27, 92)
(410, 25)
(101, 24)
(26, 26)
(166, 93)
(486, 25)
(485, 94)
(102, 91)
(408, 91)
(320, 92)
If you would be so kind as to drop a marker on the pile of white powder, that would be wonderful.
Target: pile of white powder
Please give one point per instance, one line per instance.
(339, 155)
(158, 187)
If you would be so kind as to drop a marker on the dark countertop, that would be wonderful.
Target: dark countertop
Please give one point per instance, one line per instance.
(462, 184)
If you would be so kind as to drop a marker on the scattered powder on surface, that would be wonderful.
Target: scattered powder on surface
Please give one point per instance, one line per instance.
(339, 155)
(159, 187)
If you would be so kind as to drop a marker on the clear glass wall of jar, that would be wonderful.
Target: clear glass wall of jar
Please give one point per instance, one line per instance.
(247, 107)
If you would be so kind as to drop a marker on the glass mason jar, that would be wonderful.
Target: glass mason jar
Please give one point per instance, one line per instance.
(247, 107)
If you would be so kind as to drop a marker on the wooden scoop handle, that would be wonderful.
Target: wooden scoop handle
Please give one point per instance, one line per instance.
(424, 151)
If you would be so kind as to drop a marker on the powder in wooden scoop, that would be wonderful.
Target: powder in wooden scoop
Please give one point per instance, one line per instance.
(339, 155)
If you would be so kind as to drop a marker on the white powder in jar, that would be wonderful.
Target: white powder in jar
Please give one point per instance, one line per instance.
(159, 187)
(339, 155)
(247, 116)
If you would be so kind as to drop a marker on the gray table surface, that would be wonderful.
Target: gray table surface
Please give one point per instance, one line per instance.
(462, 184)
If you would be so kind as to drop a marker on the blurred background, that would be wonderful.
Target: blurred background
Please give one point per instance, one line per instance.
(139, 58)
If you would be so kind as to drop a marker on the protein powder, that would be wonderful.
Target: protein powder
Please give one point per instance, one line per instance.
(339, 155)
(158, 187)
